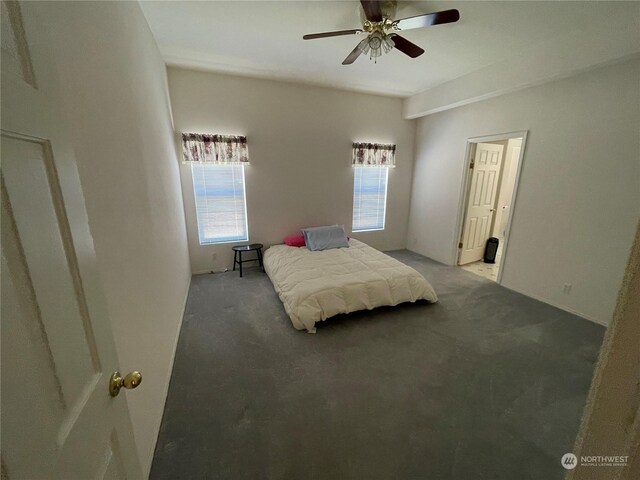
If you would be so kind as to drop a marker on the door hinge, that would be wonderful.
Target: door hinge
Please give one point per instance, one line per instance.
(471, 165)
(460, 245)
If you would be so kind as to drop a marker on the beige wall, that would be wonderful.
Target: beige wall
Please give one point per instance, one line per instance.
(115, 91)
(579, 192)
(300, 151)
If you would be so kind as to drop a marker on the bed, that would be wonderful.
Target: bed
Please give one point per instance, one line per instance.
(314, 286)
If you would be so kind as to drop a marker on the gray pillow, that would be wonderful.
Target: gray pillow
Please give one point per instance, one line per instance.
(324, 238)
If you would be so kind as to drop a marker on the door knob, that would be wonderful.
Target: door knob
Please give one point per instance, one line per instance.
(492, 210)
(130, 381)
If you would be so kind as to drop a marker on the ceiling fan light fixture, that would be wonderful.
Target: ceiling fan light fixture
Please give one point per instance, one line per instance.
(375, 41)
(387, 43)
(377, 44)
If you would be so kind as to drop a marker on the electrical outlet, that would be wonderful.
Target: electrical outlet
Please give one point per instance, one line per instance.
(566, 289)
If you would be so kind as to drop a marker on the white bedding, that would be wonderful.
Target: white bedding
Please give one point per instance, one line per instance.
(314, 286)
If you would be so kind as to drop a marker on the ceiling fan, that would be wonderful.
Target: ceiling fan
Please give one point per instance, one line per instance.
(381, 30)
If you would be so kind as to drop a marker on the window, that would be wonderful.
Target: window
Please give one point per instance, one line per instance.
(221, 206)
(369, 198)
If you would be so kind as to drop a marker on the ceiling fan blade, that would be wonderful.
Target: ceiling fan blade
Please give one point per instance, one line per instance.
(427, 20)
(372, 10)
(406, 47)
(312, 36)
(356, 52)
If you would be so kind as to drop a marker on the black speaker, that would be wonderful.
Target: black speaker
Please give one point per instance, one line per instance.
(490, 250)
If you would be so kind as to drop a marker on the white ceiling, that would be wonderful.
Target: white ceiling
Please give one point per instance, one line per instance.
(264, 39)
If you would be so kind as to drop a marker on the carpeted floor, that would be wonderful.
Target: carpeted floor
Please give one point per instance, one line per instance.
(484, 384)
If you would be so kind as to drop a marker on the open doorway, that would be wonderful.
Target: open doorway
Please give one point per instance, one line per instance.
(490, 188)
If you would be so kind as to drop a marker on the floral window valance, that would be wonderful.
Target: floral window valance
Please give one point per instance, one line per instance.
(218, 149)
(373, 155)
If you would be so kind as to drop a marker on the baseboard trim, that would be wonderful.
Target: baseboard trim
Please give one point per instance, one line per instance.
(561, 307)
(535, 297)
(171, 362)
(201, 272)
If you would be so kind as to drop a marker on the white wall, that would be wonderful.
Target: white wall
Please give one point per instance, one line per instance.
(300, 151)
(579, 194)
(115, 91)
(612, 39)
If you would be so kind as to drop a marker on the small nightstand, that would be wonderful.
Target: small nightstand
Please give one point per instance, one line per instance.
(237, 255)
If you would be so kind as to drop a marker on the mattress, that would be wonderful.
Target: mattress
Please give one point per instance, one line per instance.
(314, 286)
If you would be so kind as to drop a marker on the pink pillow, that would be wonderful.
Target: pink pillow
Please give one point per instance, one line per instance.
(294, 240)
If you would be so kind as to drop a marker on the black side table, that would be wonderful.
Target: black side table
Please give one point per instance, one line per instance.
(237, 255)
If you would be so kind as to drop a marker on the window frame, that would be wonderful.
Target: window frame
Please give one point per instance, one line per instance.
(384, 209)
(244, 199)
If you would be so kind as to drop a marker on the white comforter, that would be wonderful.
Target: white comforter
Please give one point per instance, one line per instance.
(314, 286)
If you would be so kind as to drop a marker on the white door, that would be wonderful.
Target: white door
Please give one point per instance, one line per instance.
(58, 419)
(507, 187)
(481, 201)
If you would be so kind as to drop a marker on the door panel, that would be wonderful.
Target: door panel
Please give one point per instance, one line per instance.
(47, 250)
(113, 469)
(58, 419)
(476, 186)
(25, 355)
(481, 203)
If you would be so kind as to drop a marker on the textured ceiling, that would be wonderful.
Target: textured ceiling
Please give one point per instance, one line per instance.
(264, 39)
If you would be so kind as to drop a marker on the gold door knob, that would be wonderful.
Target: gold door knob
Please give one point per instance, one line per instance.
(492, 210)
(131, 380)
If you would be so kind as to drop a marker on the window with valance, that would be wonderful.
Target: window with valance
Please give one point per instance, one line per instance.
(370, 184)
(217, 171)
